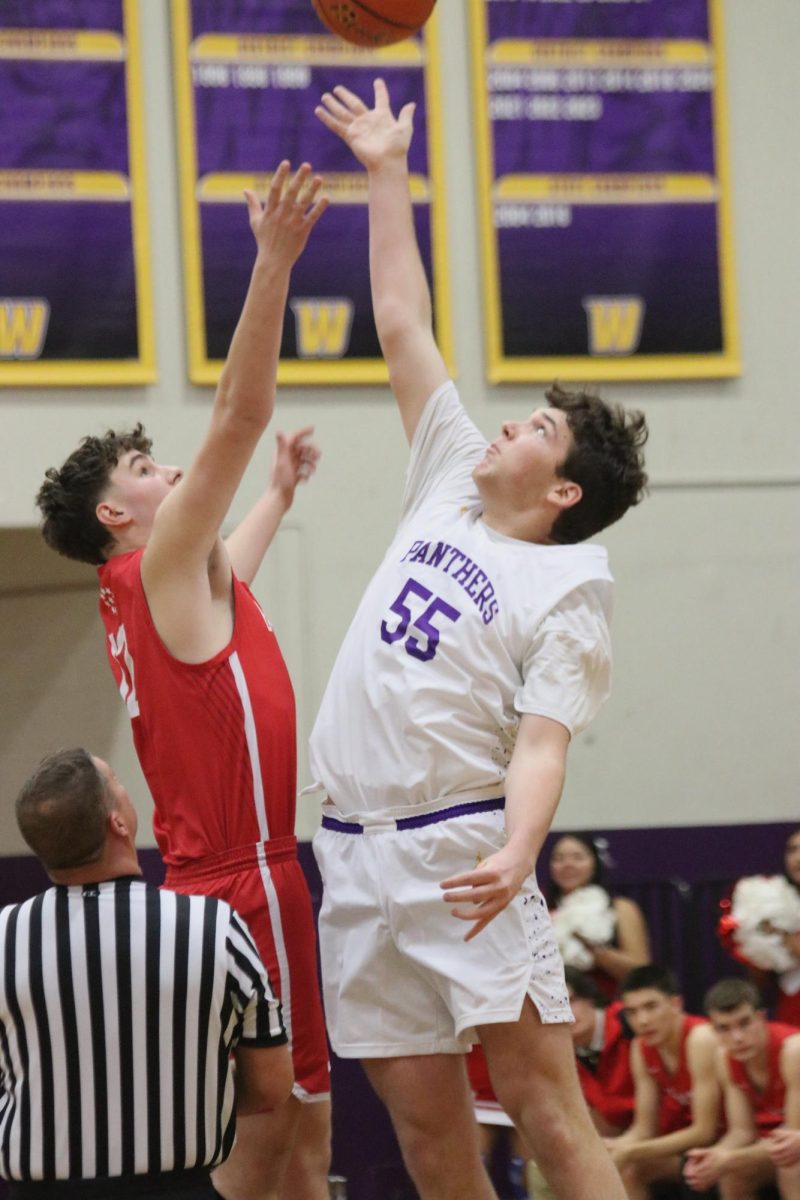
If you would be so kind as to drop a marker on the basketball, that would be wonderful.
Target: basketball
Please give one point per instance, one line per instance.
(375, 23)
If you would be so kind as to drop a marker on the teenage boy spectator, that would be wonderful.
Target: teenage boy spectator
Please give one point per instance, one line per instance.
(677, 1098)
(759, 1066)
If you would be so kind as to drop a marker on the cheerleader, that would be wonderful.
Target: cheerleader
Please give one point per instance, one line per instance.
(605, 936)
(760, 927)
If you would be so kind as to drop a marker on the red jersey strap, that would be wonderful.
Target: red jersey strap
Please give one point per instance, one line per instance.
(282, 849)
(675, 1088)
(767, 1104)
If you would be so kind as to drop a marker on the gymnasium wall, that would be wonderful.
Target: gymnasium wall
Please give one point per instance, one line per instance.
(701, 729)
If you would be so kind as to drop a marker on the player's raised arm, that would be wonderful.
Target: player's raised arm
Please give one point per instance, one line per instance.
(400, 294)
(295, 461)
(187, 524)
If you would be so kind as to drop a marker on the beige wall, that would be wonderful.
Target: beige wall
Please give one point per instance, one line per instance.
(702, 724)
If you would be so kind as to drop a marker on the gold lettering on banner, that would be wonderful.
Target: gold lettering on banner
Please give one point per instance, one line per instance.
(23, 327)
(322, 327)
(614, 323)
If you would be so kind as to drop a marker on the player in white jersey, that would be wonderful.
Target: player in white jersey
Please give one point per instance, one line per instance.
(480, 646)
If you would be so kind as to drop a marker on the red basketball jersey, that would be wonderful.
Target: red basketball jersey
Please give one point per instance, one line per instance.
(216, 740)
(675, 1111)
(767, 1104)
(609, 1087)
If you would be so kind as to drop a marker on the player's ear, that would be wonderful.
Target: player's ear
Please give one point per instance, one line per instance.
(111, 514)
(565, 493)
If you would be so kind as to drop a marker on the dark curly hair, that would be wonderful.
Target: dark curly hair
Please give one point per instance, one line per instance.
(606, 459)
(70, 494)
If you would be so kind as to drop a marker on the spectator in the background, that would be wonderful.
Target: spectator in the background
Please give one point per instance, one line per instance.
(760, 927)
(603, 935)
(677, 1101)
(759, 1066)
(602, 1039)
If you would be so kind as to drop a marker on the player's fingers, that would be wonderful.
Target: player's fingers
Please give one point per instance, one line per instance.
(316, 211)
(335, 108)
(299, 435)
(296, 184)
(472, 896)
(309, 193)
(276, 185)
(406, 117)
(254, 207)
(330, 122)
(381, 94)
(457, 881)
(349, 99)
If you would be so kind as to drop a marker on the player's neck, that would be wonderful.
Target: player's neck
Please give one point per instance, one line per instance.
(529, 526)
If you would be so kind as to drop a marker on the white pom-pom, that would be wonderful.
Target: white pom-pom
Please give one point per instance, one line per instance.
(764, 908)
(588, 913)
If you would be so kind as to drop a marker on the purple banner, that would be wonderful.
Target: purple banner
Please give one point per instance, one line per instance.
(67, 115)
(73, 274)
(62, 14)
(604, 189)
(669, 19)
(252, 76)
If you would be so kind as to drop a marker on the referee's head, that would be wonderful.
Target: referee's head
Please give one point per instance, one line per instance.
(75, 815)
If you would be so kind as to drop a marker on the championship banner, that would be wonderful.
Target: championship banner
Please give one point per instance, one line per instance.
(75, 300)
(604, 192)
(248, 76)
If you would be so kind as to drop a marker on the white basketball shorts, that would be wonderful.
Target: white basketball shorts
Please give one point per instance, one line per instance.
(398, 977)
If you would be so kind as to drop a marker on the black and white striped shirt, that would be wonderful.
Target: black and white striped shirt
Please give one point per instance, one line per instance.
(119, 1007)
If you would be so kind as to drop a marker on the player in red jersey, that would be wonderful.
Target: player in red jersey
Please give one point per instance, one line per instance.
(677, 1094)
(602, 1040)
(759, 1067)
(203, 680)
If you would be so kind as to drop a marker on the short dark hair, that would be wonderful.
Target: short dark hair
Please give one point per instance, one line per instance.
(584, 987)
(606, 459)
(70, 494)
(728, 994)
(651, 975)
(62, 810)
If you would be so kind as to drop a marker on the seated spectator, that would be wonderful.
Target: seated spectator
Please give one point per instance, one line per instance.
(120, 1006)
(760, 927)
(677, 1093)
(758, 1062)
(602, 1039)
(599, 934)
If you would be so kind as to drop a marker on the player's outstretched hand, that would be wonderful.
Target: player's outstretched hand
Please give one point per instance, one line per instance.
(281, 224)
(294, 462)
(481, 894)
(374, 135)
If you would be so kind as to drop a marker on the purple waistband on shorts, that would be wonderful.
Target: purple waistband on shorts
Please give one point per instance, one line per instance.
(429, 818)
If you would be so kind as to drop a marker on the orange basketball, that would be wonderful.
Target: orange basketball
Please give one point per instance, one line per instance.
(373, 22)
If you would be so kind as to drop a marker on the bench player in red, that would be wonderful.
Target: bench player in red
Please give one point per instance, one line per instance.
(677, 1099)
(759, 1067)
(206, 688)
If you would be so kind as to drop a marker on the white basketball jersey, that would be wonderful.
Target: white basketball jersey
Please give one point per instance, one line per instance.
(460, 630)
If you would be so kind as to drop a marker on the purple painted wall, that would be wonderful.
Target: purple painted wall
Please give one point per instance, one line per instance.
(677, 875)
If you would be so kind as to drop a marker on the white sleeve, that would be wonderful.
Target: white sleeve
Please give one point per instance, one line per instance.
(444, 452)
(567, 669)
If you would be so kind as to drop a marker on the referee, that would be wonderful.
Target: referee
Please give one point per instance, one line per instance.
(120, 1005)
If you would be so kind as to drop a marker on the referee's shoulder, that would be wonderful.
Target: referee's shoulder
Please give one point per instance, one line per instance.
(207, 905)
